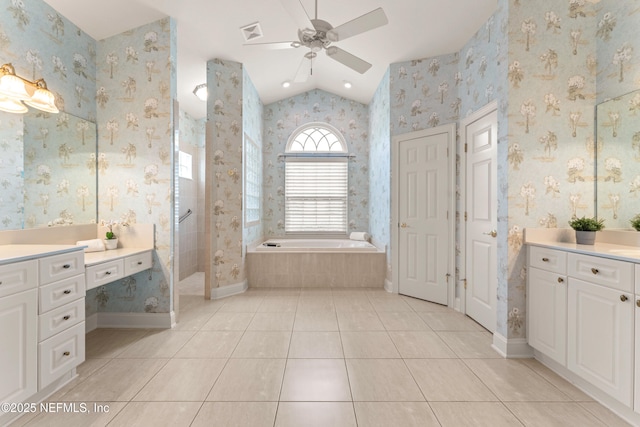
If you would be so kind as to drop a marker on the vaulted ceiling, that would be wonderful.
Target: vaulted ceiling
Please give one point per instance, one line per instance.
(212, 29)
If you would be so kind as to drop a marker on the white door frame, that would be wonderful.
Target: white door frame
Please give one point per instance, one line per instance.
(451, 203)
(461, 301)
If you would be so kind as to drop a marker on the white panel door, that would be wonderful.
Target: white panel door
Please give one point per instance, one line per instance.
(423, 252)
(481, 214)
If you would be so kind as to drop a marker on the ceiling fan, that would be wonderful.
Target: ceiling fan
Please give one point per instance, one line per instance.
(316, 35)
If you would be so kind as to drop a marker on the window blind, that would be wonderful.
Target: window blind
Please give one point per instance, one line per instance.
(316, 196)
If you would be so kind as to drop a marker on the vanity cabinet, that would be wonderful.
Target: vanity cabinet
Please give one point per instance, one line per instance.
(547, 303)
(19, 330)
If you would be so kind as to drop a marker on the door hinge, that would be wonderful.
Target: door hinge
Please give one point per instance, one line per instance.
(447, 277)
(465, 283)
(465, 147)
(447, 214)
(447, 151)
(465, 216)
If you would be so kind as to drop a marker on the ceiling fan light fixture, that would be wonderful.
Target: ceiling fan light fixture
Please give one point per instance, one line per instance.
(201, 92)
(286, 84)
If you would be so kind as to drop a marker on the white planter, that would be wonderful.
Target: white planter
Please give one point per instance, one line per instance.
(111, 243)
(585, 237)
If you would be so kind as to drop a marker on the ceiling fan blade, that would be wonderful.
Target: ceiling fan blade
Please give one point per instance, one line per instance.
(275, 45)
(299, 15)
(351, 61)
(304, 69)
(374, 19)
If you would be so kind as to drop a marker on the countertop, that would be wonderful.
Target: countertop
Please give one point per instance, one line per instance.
(92, 258)
(17, 253)
(605, 250)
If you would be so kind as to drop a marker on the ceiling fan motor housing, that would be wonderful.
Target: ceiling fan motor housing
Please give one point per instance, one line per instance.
(316, 41)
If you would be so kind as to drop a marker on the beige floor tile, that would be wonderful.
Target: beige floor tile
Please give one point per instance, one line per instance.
(315, 380)
(553, 414)
(157, 414)
(444, 380)
(315, 345)
(390, 304)
(263, 344)
(316, 303)
(470, 345)
(249, 380)
(108, 343)
(66, 418)
(474, 414)
(563, 385)
(605, 415)
(157, 344)
(236, 414)
(210, 345)
(192, 321)
(422, 306)
(511, 380)
(272, 322)
(84, 370)
(420, 345)
(315, 414)
(385, 414)
(228, 322)
(352, 303)
(241, 304)
(402, 321)
(380, 293)
(450, 322)
(368, 345)
(359, 321)
(119, 380)
(387, 380)
(278, 304)
(182, 380)
(316, 321)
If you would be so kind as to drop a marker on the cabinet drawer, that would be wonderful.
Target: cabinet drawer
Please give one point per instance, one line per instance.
(548, 259)
(106, 272)
(60, 319)
(135, 263)
(637, 277)
(60, 353)
(59, 267)
(602, 271)
(60, 293)
(18, 277)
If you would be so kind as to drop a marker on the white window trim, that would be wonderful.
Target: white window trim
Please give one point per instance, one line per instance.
(310, 125)
(252, 220)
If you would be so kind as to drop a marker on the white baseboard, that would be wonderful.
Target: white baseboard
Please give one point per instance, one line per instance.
(514, 348)
(227, 291)
(388, 286)
(91, 323)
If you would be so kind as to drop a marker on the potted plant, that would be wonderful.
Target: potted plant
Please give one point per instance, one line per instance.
(635, 222)
(111, 240)
(586, 229)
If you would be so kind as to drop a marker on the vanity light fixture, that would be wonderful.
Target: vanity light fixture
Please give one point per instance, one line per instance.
(201, 92)
(16, 90)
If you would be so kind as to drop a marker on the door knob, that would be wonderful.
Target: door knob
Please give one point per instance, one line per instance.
(492, 233)
(404, 225)
(623, 298)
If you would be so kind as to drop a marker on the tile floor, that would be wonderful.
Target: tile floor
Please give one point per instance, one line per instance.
(314, 357)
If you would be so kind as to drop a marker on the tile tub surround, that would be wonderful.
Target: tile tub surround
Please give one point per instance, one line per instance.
(145, 383)
(331, 270)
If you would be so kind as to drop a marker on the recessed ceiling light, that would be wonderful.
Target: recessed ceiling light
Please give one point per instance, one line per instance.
(286, 84)
(201, 92)
(347, 85)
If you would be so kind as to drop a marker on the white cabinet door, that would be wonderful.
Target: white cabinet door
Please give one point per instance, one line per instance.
(547, 308)
(600, 343)
(18, 346)
(636, 404)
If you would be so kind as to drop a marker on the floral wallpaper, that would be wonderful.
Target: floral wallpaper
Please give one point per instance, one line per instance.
(380, 167)
(11, 172)
(281, 118)
(40, 43)
(136, 85)
(224, 173)
(618, 132)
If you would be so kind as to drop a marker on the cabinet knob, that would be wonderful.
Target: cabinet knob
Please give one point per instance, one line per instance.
(595, 271)
(623, 298)
(66, 266)
(66, 353)
(638, 303)
(560, 280)
(545, 259)
(107, 273)
(66, 317)
(139, 262)
(66, 291)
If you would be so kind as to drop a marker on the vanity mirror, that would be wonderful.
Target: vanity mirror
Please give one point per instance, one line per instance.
(48, 170)
(618, 160)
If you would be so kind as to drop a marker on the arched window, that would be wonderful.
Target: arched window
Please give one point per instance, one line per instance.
(316, 181)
